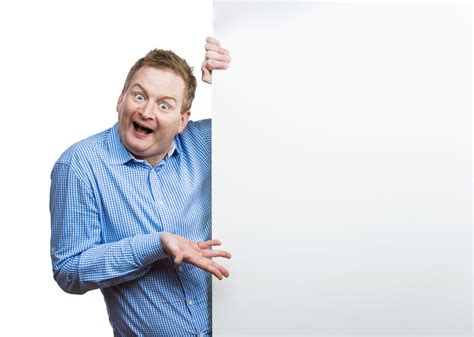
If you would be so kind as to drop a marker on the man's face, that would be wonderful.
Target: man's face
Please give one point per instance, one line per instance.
(150, 113)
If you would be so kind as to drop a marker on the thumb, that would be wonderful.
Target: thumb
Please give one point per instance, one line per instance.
(206, 74)
(178, 257)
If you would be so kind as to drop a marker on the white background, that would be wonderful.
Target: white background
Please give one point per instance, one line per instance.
(62, 67)
(342, 169)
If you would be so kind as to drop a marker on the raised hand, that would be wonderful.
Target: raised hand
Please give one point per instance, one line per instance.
(216, 57)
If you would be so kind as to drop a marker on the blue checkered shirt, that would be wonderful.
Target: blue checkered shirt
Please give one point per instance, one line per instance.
(107, 212)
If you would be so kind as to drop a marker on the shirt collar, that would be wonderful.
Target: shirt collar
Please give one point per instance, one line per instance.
(120, 155)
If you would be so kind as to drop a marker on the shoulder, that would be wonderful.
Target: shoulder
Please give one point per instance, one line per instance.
(199, 130)
(203, 125)
(195, 140)
(84, 150)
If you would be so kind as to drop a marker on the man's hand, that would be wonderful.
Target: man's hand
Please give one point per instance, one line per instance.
(216, 58)
(196, 253)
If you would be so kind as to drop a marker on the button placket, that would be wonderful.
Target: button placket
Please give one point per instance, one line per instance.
(157, 196)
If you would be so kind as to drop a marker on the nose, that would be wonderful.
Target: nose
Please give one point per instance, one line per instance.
(147, 110)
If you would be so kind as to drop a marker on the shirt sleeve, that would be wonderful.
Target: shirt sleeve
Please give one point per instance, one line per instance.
(205, 129)
(81, 262)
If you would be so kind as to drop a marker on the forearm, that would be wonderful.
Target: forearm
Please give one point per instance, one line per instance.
(109, 264)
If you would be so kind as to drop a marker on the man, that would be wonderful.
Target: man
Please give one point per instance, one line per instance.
(131, 203)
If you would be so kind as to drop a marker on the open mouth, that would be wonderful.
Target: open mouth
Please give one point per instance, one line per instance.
(141, 129)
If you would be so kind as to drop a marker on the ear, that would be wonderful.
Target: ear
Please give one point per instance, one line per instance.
(119, 102)
(184, 121)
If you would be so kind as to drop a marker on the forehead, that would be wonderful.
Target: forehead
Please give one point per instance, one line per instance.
(159, 82)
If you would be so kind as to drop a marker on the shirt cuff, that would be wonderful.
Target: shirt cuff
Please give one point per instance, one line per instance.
(148, 248)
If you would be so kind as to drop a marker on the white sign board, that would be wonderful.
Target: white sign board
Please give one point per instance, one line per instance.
(342, 169)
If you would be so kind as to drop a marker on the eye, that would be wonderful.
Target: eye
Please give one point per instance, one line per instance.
(164, 106)
(139, 97)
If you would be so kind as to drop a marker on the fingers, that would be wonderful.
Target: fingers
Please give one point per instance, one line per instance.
(208, 243)
(214, 64)
(212, 253)
(216, 57)
(223, 271)
(216, 49)
(196, 253)
(210, 266)
(213, 55)
(208, 253)
(201, 257)
(213, 40)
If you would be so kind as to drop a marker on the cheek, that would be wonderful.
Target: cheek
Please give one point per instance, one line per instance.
(125, 110)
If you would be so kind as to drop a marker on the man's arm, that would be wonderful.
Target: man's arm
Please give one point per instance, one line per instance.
(82, 262)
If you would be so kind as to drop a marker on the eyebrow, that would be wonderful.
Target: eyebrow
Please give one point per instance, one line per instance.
(161, 98)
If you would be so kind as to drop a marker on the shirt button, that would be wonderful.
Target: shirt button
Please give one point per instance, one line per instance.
(180, 268)
(190, 302)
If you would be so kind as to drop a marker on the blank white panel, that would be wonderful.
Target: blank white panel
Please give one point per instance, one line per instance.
(342, 169)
